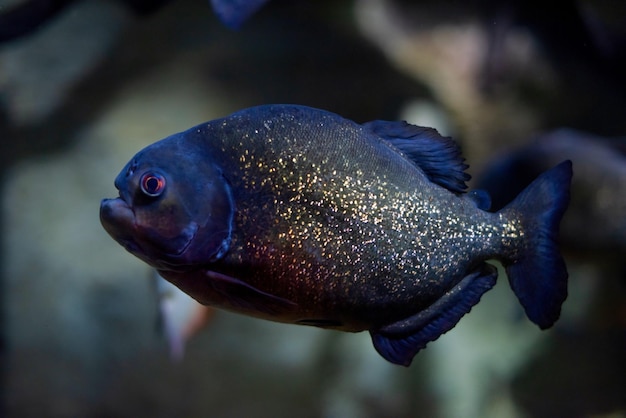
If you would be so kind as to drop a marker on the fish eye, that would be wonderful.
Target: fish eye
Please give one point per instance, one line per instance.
(152, 184)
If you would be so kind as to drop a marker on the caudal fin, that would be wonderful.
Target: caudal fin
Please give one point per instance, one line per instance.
(538, 275)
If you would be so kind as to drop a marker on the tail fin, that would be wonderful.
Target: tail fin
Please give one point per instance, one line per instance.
(538, 277)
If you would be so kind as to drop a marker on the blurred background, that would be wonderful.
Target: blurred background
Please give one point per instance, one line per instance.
(87, 332)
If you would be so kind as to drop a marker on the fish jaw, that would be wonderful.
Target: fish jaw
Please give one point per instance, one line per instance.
(118, 219)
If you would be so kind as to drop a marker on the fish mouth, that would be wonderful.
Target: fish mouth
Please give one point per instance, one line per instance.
(114, 213)
(118, 219)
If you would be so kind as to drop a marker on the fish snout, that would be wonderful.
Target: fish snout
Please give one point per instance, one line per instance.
(116, 216)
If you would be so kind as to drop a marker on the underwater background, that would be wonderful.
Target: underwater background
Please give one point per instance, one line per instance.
(81, 334)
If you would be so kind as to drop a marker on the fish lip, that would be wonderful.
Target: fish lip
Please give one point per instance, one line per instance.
(108, 205)
(118, 204)
(119, 220)
(116, 215)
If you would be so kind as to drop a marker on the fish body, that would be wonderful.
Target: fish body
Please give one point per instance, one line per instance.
(298, 215)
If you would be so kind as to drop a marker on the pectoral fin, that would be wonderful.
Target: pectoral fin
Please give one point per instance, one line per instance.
(242, 296)
(399, 342)
(220, 290)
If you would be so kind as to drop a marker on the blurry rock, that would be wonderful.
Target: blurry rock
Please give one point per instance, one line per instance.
(582, 374)
(446, 50)
(25, 18)
(36, 73)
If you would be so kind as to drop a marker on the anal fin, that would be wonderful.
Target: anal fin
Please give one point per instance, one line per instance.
(400, 342)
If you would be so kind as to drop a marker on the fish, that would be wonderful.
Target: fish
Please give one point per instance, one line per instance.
(234, 13)
(598, 188)
(298, 215)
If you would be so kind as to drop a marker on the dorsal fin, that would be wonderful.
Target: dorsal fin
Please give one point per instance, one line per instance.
(439, 157)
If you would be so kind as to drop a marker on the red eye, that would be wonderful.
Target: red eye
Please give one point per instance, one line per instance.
(152, 184)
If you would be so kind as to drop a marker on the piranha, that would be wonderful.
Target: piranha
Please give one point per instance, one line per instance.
(297, 215)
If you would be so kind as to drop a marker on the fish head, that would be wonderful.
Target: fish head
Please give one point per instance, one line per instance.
(175, 208)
